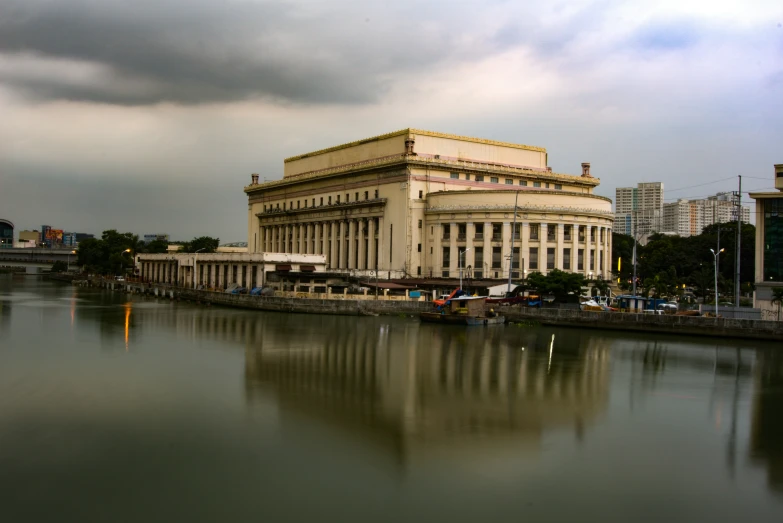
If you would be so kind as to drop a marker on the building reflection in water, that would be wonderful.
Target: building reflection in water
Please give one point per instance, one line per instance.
(422, 387)
(766, 432)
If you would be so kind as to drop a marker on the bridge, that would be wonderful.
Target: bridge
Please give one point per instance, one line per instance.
(36, 257)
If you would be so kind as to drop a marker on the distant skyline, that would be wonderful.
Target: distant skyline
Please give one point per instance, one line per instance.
(150, 116)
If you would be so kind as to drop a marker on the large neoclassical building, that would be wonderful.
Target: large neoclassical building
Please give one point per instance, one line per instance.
(422, 204)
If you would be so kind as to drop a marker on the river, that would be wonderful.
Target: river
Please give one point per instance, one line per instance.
(126, 408)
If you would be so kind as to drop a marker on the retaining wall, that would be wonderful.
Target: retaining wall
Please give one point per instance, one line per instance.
(691, 325)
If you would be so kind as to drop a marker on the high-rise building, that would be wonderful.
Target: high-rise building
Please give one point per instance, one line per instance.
(769, 248)
(639, 209)
(690, 217)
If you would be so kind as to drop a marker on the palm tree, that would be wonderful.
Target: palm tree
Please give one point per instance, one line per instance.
(777, 297)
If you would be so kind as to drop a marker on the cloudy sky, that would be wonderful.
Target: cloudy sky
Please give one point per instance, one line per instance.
(150, 115)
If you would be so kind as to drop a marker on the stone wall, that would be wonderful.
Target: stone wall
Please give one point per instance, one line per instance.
(691, 325)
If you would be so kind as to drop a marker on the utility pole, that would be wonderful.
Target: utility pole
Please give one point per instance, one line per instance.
(513, 231)
(739, 242)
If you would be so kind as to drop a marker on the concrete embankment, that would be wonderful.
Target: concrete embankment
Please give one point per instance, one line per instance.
(344, 305)
(668, 324)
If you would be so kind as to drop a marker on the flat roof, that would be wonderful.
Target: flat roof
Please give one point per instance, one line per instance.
(421, 132)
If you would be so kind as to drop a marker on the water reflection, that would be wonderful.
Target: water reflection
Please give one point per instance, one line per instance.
(766, 440)
(422, 388)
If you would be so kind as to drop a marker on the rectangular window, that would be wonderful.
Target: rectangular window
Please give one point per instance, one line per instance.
(446, 232)
(284, 206)
(366, 195)
(376, 194)
(515, 258)
(601, 260)
(580, 259)
(551, 232)
(550, 258)
(330, 200)
(496, 259)
(517, 229)
(533, 231)
(418, 270)
(421, 195)
(461, 231)
(297, 203)
(773, 239)
(558, 187)
(419, 224)
(479, 178)
(592, 234)
(478, 258)
(455, 176)
(547, 185)
(467, 176)
(567, 233)
(536, 184)
(523, 183)
(322, 201)
(494, 179)
(446, 257)
(356, 197)
(533, 258)
(497, 232)
(479, 231)
(592, 259)
(567, 259)
(444, 274)
(509, 181)
(581, 233)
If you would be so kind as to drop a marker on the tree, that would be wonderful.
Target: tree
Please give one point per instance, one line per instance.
(155, 247)
(111, 254)
(777, 297)
(559, 283)
(207, 243)
(59, 266)
(622, 248)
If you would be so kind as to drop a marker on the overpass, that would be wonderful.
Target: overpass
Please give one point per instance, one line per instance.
(35, 257)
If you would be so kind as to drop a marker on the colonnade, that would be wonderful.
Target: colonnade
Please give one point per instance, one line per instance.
(538, 247)
(355, 243)
(208, 274)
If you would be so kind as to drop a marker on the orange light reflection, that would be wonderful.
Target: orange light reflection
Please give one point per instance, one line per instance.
(127, 324)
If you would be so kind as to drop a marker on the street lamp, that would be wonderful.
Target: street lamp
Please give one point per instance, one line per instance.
(715, 256)
(460, 265)
(195, 261)
(68, 262)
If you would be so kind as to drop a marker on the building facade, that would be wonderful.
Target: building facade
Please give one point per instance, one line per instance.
(690, 217)
(6, 234)
(639, 210)
(148, 238)
(769, 248)
(422, 204)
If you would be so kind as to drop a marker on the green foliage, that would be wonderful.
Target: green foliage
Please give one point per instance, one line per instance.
(558, 283)
(111, 254)
(207, 243)
(155, 247)
(668, 262)
(59, 266)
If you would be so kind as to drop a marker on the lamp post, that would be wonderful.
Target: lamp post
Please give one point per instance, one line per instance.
(715, 256)
(68, 262)
(195, 262)
(460, 265)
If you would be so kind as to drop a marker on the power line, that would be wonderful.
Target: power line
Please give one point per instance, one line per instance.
(701, 184)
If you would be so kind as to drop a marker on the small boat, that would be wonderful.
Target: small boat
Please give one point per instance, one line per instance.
(463, 310)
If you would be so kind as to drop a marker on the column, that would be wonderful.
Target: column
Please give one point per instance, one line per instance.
(362, 247)
(382, 239)
(487, 268)
(371, 244)
(524, 234)
(505, 249)
(543, 230)
(454, 261)
(344, 226)
(588, 246)
(575, 247)
(333, 250)
(351, 226)
(560, 243)
(608, 255)
(470, 258)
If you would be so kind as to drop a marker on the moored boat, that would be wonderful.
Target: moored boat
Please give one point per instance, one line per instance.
(463, 310)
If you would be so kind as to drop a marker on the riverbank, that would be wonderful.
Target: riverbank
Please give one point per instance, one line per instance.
(344, 305)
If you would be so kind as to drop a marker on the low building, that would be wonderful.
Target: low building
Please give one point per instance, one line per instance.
(149, 238)
(6, 234)
(769, 247)
(418, 203)
(221, 270)
(30, 237)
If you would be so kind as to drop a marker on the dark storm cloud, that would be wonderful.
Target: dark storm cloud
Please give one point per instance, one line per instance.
(193, 51)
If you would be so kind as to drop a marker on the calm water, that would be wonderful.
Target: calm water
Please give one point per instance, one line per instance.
(117, 408)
